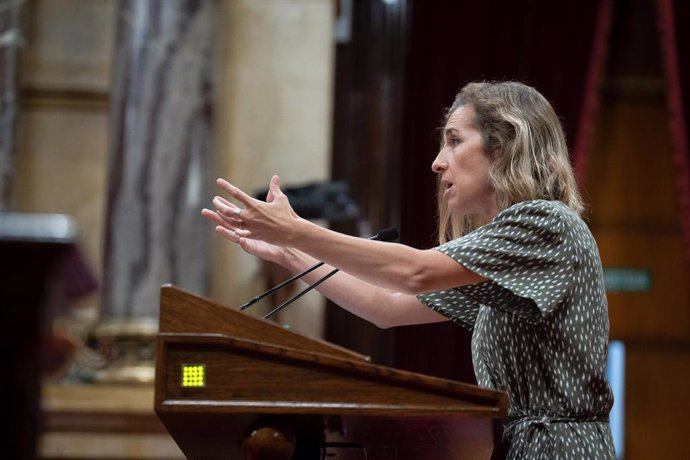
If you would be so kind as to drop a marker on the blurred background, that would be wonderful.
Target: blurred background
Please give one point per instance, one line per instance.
(117, 116)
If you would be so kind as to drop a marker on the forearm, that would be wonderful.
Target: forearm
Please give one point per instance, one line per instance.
(382, 307)
(388, 265)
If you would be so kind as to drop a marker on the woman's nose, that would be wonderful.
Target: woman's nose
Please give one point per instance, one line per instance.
(439, 164)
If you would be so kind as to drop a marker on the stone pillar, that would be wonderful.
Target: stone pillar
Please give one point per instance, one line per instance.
(159, 158)
(10, 40)
(275, 62)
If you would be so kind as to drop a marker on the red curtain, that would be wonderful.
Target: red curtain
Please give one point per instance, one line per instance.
(558, 47)
(675, 47)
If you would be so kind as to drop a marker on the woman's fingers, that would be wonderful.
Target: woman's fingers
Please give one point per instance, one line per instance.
(231, 213)
(212, 216)
(274, 186)
(218, 219)
(225, 208)
(226, 202)
(252, 218)
(227, 233)
(226, 228)
(236, 193)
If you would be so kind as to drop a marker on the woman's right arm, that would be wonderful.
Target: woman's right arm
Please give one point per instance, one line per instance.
(382, 307)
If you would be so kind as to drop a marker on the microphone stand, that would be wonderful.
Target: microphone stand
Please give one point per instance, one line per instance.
(279, 286)
(388, 234)
(273, 312)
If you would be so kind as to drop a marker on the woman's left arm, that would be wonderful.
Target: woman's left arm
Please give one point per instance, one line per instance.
(389, 265)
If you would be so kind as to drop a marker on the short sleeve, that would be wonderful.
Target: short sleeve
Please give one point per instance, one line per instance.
(525, 254)
(453, 305)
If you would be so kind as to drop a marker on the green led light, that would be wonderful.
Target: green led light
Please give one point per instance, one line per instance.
(193, 375)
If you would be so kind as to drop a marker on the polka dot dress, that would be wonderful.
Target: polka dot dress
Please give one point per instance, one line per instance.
(539, 328)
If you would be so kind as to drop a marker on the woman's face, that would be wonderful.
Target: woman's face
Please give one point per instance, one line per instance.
(463, 166)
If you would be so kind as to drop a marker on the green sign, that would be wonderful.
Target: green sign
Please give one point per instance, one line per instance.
(627, 280)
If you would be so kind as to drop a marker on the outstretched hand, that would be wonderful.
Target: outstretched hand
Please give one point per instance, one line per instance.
(225, 228)
(260, 228)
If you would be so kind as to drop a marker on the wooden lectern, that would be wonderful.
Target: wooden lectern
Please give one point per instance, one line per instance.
(231, 386)
(41, 271)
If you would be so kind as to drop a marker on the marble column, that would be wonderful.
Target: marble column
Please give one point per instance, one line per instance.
(275, 62)
(159, 155)
(10, 41)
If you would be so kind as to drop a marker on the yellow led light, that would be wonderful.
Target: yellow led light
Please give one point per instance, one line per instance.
(193, 375)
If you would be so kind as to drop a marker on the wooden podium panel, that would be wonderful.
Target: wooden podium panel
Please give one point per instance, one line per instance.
(41, 271)
(320, 398)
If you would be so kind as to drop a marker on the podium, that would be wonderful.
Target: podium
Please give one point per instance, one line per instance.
(41, 270)
(231, 386)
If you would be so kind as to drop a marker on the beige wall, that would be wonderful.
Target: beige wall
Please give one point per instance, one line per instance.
(69, 44)
(62, 128)
(274, 113)
(61, 167)
(273, 107)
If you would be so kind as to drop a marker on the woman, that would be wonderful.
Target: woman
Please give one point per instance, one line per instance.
(517, 266)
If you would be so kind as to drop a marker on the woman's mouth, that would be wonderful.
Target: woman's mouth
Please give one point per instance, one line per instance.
(447, 187)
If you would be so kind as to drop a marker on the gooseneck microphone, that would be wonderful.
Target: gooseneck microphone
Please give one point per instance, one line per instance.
(279, 286)
(388, 234)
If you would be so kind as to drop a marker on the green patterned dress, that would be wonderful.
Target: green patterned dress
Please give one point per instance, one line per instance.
(539, 328)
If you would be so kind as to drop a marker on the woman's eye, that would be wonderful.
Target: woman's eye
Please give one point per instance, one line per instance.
(453, 142)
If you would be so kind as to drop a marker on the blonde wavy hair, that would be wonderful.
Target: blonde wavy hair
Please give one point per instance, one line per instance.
(529, 156)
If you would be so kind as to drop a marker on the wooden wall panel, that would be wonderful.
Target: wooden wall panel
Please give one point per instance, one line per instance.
(657, 402)
(660, 314)
(370, 77)
(631, 175)
(634, 215)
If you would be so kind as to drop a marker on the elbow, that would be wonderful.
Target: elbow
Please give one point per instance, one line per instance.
(415, 272)
(415, 281)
